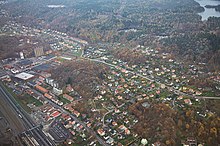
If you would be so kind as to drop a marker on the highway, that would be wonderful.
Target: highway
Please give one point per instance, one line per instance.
(31, 127)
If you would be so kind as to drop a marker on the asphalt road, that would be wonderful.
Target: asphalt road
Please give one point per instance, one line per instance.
(167, 86)
(93, 133)
(37, 133)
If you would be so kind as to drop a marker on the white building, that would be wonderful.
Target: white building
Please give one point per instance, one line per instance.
(57, 91)
(52, 82)
(21, 55)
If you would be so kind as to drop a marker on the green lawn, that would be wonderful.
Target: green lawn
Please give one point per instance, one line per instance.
(208, 94)
(29, 99)
(127, 140)
(61, 59)
(24, 100)
(79, 141)
(64, 100)
(164, 94)
(24, 106)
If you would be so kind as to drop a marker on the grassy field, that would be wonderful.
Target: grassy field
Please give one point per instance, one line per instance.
(208, 93)
(60, 98)
(29, 99)
(24, 100)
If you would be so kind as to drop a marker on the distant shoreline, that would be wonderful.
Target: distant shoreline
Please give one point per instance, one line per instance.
(55, 6)
(217, 8)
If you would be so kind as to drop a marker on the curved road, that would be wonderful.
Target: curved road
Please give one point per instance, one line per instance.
(145, 77)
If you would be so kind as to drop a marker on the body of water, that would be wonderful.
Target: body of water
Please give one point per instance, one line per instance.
(55, 6)
(208, 12)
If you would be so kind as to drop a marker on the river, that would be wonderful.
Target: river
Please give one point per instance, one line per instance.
(208, 12)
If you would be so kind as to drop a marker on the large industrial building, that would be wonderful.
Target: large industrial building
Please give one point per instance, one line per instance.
(24, 76)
